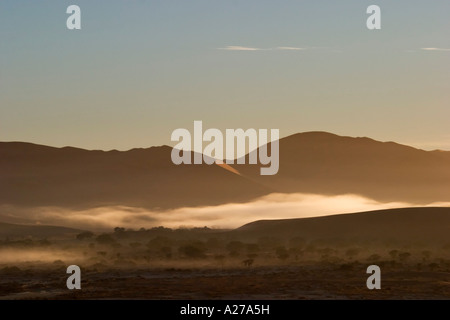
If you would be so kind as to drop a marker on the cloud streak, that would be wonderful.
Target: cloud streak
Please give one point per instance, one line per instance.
(435, 49)
(289, 48)
(242, 48)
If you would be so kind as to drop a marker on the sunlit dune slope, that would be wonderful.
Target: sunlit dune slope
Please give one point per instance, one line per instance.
(415, 225)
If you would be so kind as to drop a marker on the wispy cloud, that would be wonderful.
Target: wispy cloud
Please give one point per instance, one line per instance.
(435, 49)
(242, 48)
(289, 48)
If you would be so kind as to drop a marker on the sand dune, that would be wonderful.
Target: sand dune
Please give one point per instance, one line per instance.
(413, 225)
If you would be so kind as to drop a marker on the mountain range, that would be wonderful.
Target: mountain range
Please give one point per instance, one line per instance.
(324, 163)
(311, 162)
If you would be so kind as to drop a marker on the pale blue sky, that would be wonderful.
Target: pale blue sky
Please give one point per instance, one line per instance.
(140, 69)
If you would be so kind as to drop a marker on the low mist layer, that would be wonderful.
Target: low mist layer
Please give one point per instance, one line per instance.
(19, 255)
(273, 206)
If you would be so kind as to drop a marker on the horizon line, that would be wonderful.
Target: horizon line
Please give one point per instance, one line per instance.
(167, 145)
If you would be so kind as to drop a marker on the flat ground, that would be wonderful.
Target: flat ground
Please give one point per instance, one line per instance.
(346, 281)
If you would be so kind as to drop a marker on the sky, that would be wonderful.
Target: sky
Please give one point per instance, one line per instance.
(137, 70)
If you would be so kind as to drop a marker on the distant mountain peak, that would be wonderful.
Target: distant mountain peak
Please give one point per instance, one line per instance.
(310, 162)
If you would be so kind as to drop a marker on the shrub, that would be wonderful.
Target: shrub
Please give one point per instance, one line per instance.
(248, 262)
(282, 253)
(192, 252)
(105, 239)
(404, 256)
(236, 246)
(85, 235)
(374, 257)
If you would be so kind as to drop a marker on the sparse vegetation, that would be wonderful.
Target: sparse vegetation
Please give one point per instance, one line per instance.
(207, 249)
(85, 235)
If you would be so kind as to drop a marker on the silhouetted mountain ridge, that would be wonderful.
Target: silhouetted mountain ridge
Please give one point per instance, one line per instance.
(311, 162)
(320, 162)
(34, 175)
